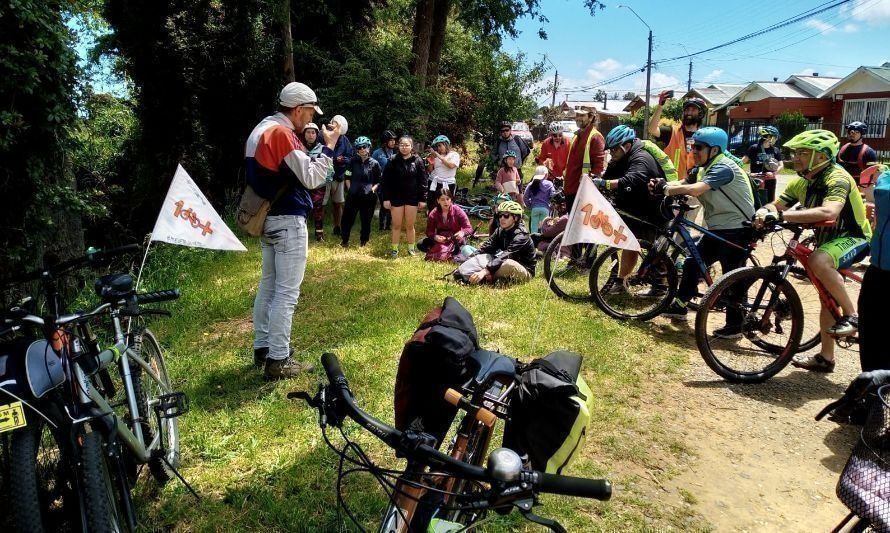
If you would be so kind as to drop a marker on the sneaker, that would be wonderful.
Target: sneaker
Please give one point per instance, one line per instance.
(412, 252)
(393, 254)
(617, 288)
(676, 311)
(845, 326)
(651, 292)
(260, 354)
(285, 368)
(815, 363)
(728, 332)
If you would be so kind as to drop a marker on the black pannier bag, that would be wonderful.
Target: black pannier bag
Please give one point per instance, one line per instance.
(433, 360)
(549, 411)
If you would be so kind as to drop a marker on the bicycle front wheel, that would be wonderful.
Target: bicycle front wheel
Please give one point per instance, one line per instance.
(103, 499)
(566, 269)
(147, 390)
(749, 325)
(643, 294)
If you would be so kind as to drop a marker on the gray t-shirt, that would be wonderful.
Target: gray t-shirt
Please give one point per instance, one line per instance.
(730, 200)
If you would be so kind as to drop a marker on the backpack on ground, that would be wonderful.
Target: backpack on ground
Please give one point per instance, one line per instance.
(549, 411)
(432, 361)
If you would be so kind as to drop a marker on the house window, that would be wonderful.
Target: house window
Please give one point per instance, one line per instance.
(873, 113)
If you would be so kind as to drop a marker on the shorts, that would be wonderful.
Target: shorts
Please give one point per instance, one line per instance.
(641, 231)
(846, 251)
(335, 190)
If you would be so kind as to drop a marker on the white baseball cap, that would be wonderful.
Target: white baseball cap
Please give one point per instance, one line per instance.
(296, 94)
(540, 173)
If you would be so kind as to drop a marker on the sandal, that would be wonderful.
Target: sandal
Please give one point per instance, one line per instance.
(814, 363)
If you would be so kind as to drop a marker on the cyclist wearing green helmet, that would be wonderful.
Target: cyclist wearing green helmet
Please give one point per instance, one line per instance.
(363, 176)
(766, 159)
(508, 254)
(826, 192)
(444, 163)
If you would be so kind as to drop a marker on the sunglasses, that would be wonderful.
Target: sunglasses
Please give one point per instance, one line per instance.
(699, 147)
(364, 147)
(506, 215)
(506, 131)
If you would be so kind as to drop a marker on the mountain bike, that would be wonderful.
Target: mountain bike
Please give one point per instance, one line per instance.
(865, 479)
(773, 323)
(502, 486)
(651, 287)
(566, 268)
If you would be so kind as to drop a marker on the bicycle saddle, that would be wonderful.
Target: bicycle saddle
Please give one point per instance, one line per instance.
(493, 365)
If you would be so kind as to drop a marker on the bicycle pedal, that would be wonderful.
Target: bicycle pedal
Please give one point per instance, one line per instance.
(172, 405)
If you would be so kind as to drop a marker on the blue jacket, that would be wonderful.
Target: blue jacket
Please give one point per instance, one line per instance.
(382, 155)
(342, 148)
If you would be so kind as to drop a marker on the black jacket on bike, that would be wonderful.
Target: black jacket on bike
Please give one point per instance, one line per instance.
(633, 172)
(516, 245)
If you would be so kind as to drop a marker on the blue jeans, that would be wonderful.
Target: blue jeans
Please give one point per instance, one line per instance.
(285, 247)
(538, 214)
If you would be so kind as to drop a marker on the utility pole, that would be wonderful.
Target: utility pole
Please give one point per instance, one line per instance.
(648, 83)
(555, 85)
(689, 80)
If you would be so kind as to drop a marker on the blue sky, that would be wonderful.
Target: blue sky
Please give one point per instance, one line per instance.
(588, 50)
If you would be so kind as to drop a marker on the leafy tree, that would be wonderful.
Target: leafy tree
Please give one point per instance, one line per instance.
(673, 109)
(600, 96)
(629, 95)
(790, 123)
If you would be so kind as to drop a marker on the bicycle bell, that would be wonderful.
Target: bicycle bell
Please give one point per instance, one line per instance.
(504, 464)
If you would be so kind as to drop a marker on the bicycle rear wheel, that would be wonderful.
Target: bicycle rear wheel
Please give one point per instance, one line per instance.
(566, 270)
(103, 499)
(749, 325)
(641, 295)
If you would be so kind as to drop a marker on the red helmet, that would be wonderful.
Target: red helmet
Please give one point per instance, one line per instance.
(696, 102)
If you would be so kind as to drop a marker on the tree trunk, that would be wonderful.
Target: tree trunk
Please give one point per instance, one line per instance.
(437, 39)
(420, 48)
(287, 42)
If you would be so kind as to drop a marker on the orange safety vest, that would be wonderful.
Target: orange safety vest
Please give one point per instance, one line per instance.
(676, 149)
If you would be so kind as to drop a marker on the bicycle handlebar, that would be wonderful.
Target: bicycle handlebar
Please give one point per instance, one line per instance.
(599, 489)
(92, 257)
(158, 296)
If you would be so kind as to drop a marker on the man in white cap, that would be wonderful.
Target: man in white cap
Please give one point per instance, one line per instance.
(279, 169)
(343, 154)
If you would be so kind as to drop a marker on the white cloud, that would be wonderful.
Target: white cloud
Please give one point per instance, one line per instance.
(806, 71)
(850, 28)
(608, 64)
(714, 75)
(820, 25)
(873, 13)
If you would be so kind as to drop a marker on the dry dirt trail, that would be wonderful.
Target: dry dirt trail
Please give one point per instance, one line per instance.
(762, 463)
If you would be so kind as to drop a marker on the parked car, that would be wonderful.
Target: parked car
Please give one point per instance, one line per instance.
(520, 129)
(568, 126)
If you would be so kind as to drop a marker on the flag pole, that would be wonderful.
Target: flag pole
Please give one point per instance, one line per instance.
(144, 257)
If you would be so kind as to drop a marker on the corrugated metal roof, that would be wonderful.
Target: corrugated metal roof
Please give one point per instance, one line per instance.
(822, 82)
(881, 72)
(713, 95)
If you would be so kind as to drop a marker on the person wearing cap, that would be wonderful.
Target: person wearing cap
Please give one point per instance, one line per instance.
(677, 139)
(586, 155)
(362, 179)
(280, 170)
(444, 169)
(313, 146)
(382, 155)
(554, 152)
(343, 154)
(766, 159)
(537, 197)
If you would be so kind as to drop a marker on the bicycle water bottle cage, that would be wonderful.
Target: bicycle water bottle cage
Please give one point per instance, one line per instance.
(114, 287)
(172, 405)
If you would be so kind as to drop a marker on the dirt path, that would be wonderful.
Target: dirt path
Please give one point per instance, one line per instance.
(762, 463)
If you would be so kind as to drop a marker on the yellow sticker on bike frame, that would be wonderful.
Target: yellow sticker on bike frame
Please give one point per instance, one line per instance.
(12, 416)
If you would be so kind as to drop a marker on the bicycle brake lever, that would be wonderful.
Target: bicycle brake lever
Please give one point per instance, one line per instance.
(525, 507)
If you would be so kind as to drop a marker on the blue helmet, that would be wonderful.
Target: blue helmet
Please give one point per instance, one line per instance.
(711, 136)
(441, 139)
(769, 131)
(508, 153)
(362, 141)
(619, 135)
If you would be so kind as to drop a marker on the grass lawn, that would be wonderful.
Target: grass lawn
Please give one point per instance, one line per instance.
(258, 459)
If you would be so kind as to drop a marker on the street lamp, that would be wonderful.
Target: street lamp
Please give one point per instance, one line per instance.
(648, 72)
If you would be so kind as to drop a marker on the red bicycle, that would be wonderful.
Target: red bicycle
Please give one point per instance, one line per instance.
(773, 317)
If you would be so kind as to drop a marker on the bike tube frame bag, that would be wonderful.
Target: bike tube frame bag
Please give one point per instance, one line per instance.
(550, 411)
(432, 361)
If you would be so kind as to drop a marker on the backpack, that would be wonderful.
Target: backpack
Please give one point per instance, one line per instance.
(432, 361)
(549, 411)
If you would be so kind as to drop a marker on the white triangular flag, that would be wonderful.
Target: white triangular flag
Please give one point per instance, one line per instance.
(188, 219)
(594, 220)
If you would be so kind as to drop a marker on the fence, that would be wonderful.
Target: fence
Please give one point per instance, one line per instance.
(743, 134)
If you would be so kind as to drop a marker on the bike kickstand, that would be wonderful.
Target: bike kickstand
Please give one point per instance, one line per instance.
(182, 479)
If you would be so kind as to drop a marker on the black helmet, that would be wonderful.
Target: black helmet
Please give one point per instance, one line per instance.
(505, 124)
(696, 102)
(857, 126)
(388, 134)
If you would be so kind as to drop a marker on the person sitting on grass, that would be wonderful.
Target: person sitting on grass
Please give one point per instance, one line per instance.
(508, 254)
(446, 228)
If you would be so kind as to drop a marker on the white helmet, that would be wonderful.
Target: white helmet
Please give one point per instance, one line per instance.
(556, 127)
